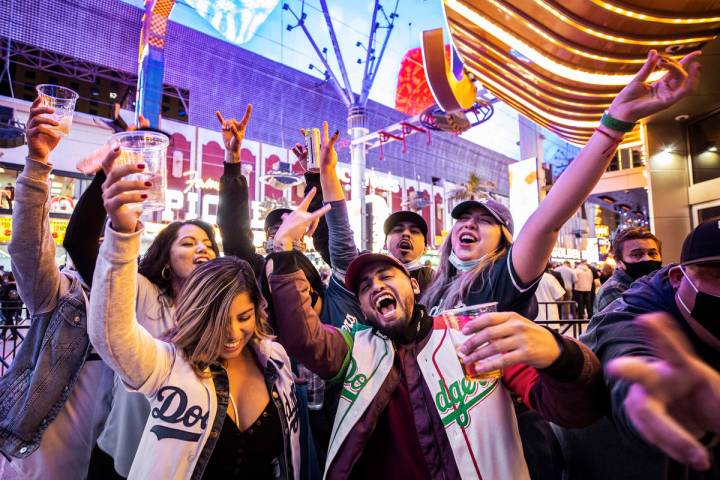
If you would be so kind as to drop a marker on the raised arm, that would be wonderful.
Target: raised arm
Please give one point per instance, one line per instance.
(32, 249)
(113, 329)
(312, 180)
(636, 101)
(82, 236)
(342, 242)
(321, 348)
(234, 205)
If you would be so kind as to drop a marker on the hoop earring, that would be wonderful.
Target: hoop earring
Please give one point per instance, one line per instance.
(165, 272)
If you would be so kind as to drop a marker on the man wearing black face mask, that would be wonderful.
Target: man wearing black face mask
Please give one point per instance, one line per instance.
(637, 253)
(664, 394)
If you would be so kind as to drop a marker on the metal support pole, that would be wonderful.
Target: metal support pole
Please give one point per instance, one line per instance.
(151, 61)
(357, 128)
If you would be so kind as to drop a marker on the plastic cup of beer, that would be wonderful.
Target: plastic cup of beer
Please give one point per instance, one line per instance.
(455, 320)
(149, 148)
(63, 101)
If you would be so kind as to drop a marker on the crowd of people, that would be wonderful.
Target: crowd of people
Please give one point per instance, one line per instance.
(583, 289)
(182, 362)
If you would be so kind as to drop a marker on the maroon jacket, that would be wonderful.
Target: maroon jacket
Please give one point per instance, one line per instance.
(570, 392)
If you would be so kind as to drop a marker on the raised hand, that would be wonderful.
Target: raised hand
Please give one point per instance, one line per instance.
(118, 193)
(328, 155)
(108, 152)
(298, 224)
(233, 134)
(42, 137)
(300, 151)
(142, 124)
(673, 399)
(515, 338)
(639, 98)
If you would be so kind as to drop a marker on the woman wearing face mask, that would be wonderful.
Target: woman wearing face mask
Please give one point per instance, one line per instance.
(481, 263)
(221, 392)
(174, 254)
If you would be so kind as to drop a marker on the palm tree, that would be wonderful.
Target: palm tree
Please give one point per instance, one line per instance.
(474, 189)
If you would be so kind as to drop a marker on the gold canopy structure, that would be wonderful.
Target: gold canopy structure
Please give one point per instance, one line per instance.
(560, 63)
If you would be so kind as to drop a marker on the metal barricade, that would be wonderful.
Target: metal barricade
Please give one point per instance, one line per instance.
(573, 326)
(12, 333)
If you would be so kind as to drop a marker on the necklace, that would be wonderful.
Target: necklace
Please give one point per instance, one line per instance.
(234, 406)
(232, 400)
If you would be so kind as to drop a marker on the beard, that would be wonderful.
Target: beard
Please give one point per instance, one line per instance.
(397, 329)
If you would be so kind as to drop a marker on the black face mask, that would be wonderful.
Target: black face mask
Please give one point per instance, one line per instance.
(640, 269)
(706, 308)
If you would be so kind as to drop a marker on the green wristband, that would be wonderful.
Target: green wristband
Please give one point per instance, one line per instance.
(615, 124)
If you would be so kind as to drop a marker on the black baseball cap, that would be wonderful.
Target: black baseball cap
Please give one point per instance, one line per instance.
(405, 216)
(362, 261)
(702, 245)
(275, 217)
(496, 209)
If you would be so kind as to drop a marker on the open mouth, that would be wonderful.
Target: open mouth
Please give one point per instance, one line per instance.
(404, 245)
(386, 304)
(232, 345)
(200, 260)
(467, 239)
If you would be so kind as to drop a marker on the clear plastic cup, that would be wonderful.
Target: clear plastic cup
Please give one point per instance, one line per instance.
(315, 387)
(63, 101)
(455, 320)
(149, 148)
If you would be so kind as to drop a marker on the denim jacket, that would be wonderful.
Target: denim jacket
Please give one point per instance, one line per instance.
(43, 373)
(48, 363)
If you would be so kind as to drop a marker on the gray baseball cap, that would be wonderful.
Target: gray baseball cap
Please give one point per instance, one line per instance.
(495, 208)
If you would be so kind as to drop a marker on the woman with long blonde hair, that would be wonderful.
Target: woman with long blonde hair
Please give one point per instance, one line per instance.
(220, 389)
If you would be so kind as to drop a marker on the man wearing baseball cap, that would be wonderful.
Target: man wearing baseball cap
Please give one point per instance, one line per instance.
(405, 239)
(662, 371)
(406, 409)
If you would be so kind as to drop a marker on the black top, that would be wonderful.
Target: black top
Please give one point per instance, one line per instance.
(249, 453)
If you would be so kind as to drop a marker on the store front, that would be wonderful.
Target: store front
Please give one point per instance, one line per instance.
(65, 190)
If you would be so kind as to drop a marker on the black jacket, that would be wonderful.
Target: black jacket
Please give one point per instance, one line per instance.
(613, 334)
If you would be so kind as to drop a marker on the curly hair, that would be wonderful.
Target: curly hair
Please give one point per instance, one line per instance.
(203, 310)
(158, 255)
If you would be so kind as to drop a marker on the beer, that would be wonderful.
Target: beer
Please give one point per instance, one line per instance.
(63, 101)
(455, 320)
(312, 144)
(64, 127)
(148, 148)
(472, 375)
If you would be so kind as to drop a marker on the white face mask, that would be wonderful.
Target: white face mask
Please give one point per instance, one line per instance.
(464, 265)
(413, 265)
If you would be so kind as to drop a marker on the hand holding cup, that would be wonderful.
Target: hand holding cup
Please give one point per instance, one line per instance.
(503, 339)
(41, 132)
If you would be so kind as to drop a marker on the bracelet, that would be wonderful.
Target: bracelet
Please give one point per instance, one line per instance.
(612, 148)
(614, 139)
(613, 123)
